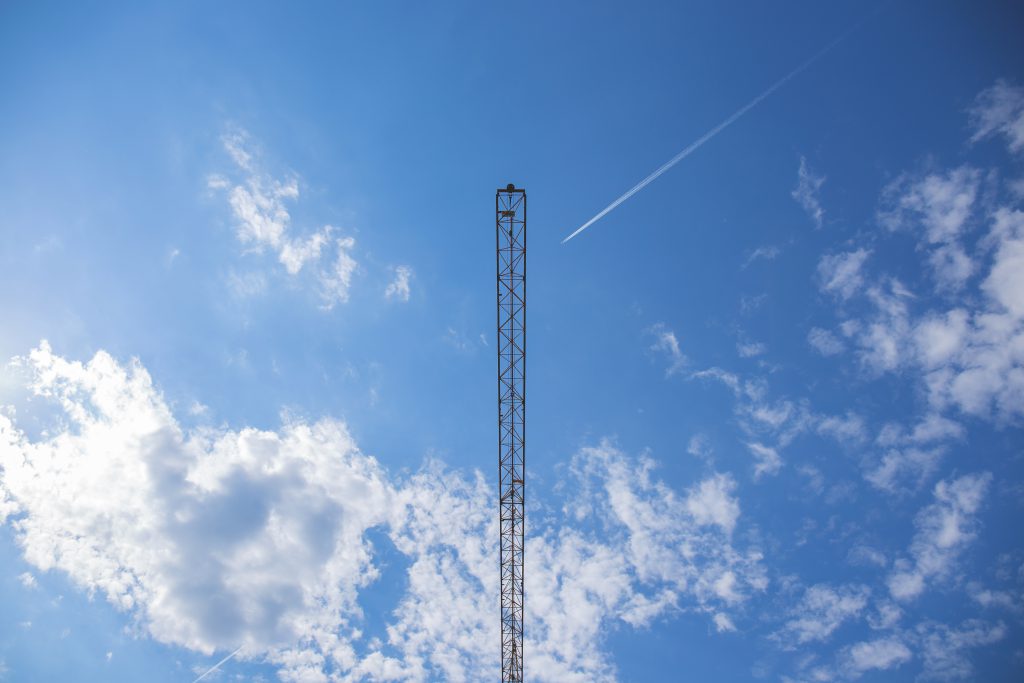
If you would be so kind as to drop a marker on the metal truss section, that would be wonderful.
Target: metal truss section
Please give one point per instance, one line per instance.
(510, 219)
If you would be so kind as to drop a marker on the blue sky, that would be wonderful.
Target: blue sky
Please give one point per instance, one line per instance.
(247, 291)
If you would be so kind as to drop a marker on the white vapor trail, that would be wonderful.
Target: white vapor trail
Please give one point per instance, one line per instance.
(696, 144)
(218, 664)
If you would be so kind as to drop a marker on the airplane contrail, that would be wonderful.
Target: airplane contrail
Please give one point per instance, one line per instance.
(696, 144)
(218, 664)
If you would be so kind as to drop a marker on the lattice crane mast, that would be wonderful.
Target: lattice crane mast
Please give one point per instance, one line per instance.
(510, 222)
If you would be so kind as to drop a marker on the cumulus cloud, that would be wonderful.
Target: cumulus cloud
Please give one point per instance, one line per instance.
(806, 192)
(821, 611)
(937, 205)
(712, 502)
(398, 289)
(975, 361)
(970, 356)
(999, 110)
(938, 208)
(259, 204)
(261, 540)
(884, 339)
(882, 653)
(944, 529)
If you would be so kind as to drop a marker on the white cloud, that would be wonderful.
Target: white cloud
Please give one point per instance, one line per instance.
(723, 624)
(766, 253)
(294, 254)
(824, 342)
(235, 144)
(886, 616)
(971, 355)
(398, 288)
(991, 598)
(940, 338)
(711, 502)
(944, 529)
(461, 341)
(937, 207)
(665, 342)
(901, 470)
(1000, 110)
(913, 456)
(840, 274)
(975, 361)
(821, 611)
(1016, 187)
(750, 349)
(930, 429)
(766, 459)
(699, 446)
(883, 653)
(806, 193)
(943, 647)
(259, 205)
(27, 580)
(210, 539)
(885, 339)
(1005, 282)
(846, 429)
(214, 539)
(198, 409)
(336, 280)
(866, 556)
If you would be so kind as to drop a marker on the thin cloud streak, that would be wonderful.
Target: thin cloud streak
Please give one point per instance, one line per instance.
(699, 142)
(218, 664)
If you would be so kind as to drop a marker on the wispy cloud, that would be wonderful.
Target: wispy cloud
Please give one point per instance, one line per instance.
(1000, 110)
(398, 289)
(750, 349)
(824, 342)
(766, 253)
(766, 459)
(808, 185)
(840, 273)
(821, 611)
(665, 342)
(259, 204)
(944, 528)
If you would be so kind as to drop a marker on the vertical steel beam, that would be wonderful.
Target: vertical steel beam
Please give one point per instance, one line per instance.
(510, 221)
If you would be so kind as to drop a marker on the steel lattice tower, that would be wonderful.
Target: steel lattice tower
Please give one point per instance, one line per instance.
(510, 223)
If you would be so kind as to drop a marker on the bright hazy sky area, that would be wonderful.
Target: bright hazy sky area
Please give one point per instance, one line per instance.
(775, 400)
